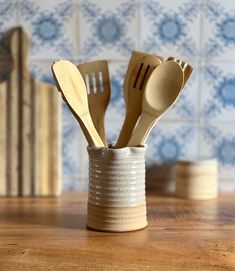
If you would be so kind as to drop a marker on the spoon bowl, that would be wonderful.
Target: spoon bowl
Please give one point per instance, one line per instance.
(162, 90)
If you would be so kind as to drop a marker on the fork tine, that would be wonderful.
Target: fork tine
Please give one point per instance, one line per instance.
(91, 87)
(105, 78)
(86, 80)
(187, 72)
(187, 69)
(184, 65)
(97, 81)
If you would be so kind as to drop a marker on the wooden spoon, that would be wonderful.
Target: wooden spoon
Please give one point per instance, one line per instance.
(187, 69)
(161, 92)
(139, 69)
(70, 83)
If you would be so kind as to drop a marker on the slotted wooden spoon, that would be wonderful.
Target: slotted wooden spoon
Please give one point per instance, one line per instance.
(70, 83)
(96, 77)
(140, 67)
(161, 92)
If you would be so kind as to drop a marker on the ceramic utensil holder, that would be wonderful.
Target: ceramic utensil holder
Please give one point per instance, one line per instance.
(197, 179)
(116, 200)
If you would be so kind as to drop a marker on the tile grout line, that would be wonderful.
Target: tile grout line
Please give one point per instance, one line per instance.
(78, 40)
(139, 23)
(199, 87)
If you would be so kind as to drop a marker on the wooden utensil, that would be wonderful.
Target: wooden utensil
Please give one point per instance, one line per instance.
(96, 76)
(139, 69)
(70, 83)
(162, 90)
(30, 127)
(187, 69)
(196, 179)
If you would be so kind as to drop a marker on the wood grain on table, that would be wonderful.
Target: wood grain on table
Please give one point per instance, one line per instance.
(51, 234)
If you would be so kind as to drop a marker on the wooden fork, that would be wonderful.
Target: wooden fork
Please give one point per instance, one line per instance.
(96, 77)
(187, 69)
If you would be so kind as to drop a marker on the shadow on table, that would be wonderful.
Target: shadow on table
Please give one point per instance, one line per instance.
(160, 179)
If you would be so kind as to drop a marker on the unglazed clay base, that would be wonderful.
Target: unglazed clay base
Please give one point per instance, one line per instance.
(116, 219)
(116, 200)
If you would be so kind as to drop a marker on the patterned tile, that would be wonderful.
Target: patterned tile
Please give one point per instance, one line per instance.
(218, 140)
(170, 141)
(41, 70)
(8, 15)
(52, 26)
(218, 29)
(116, 109)
(170, 27)
(218, 91)
(186, 106)
(200, 32)
(108, 29)
(8, 19)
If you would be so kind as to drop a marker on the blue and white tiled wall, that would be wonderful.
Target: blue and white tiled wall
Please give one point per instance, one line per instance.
(201, 32)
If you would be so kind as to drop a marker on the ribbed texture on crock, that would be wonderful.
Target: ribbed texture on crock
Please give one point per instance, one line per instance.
(117, 176)
(116, 200)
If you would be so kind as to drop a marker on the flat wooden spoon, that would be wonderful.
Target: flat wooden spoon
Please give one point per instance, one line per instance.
(162, 90)
(71, 84)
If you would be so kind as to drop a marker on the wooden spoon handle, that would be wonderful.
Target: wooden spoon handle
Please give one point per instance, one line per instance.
(86, 127)
(93, 134)
(127, 129)
(142, 130)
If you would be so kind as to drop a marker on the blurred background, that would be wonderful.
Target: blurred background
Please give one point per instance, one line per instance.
(201, 32)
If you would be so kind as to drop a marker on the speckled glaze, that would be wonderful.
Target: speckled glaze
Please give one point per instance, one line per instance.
(116, 200)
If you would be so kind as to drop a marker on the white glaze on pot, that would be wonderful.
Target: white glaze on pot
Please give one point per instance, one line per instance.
(116, 200)
(117, 176)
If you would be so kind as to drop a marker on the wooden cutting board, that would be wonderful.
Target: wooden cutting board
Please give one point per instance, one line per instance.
(29, 125)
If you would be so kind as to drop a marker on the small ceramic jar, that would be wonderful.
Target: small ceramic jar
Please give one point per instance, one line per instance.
(197, 179)
(116, 200)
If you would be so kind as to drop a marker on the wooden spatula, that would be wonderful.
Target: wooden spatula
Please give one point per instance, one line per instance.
(96, 76)
(161, 92)
(140, 67)
(70, 83)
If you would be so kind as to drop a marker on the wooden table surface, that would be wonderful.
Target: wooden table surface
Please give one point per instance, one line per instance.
(51, 234)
